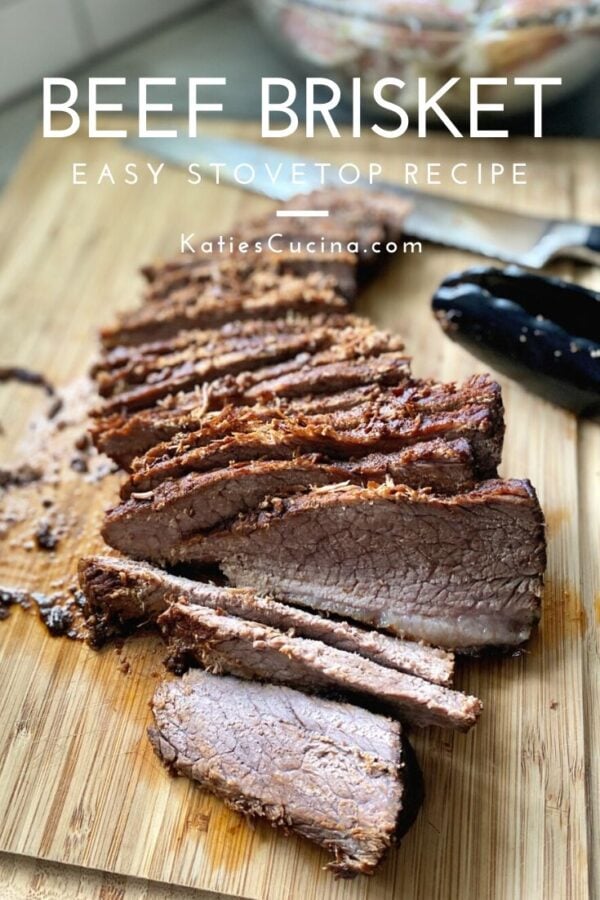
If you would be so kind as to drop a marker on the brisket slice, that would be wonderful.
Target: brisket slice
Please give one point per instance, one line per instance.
(460, 572)
(123, 436)
(129, 436)
(223, 643)
(257, 298)
(149, 385)
(329, 372)
(121, 594)
(183, 371)
(420, 413)
(133, 364)
(360, 407)
(194, 272)
(336, 774)
(163, 276)
(152, 524)
(380, 410)
(443, 465)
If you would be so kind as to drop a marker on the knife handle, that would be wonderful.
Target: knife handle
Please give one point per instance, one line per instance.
(586, 246)
(593, 241)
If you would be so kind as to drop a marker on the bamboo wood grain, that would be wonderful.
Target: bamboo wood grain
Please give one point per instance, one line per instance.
(24, 878)
(512, 809)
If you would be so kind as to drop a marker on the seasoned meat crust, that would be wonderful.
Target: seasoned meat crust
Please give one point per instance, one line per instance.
(258, 295)
(418, 414)
(131, 364)
(173, 509)
(302, 382)
(145, 381)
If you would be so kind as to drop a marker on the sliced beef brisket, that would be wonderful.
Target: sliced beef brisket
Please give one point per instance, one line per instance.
(324, 373)
(123, 435)
(122, 594)
(181, 371)
(223, 643)
(152, 523)
(261, 295)
(367, 407)
(418, 413)
(192, 272)
(334, 773)
(123, 367)
(461, 572)
(444, 465)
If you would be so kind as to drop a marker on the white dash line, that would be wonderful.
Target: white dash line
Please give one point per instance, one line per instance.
(303, 213)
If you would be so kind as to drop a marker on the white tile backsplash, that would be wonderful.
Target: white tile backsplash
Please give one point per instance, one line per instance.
(37, 38)
(113, 21)
(49, 37)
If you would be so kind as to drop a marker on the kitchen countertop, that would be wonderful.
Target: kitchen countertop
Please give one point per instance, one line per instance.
(200, 44)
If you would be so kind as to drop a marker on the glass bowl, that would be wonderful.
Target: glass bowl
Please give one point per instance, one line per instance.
(411, 38)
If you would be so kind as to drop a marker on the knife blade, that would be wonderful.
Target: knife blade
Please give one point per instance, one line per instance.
(511, 237)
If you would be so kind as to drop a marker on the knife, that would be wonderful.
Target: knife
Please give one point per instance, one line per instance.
(526, 240)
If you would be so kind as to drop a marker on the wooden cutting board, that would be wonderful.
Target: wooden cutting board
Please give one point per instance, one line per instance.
(512, 809)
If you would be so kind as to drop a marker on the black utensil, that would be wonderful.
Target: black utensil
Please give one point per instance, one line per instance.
(542, 331)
